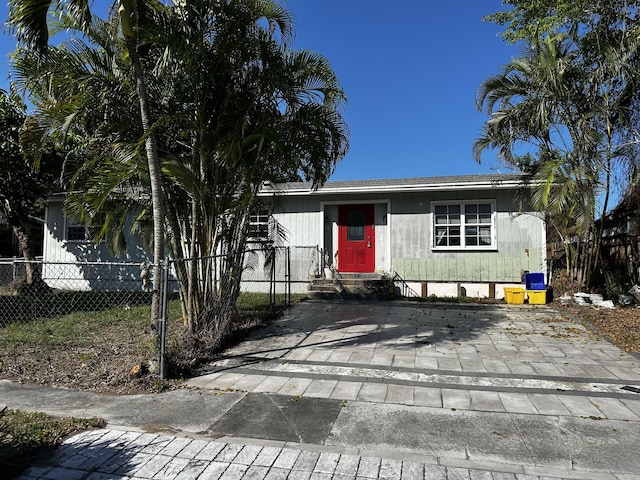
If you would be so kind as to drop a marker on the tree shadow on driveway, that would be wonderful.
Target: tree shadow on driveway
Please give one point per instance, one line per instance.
(395, 327)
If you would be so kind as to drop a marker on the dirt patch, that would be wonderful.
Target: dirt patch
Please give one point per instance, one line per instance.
(114, 360)
(103, 367)
(619, 325)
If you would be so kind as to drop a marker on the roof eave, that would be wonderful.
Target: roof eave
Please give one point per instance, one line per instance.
(487, 185)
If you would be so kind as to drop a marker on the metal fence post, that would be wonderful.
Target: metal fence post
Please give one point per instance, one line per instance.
(288, 283)
(273, 285)
(164, 307)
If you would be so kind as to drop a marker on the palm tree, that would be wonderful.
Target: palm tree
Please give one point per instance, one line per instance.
(603, 37)
(29, 21)
(254, 112)
(263, 112)
(540, 104)
(129, 11)
(77, 90)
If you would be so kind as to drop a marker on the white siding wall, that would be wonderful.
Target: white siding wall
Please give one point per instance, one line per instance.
(58, 249)
(62, 270)
(302, 220)
(381, 220)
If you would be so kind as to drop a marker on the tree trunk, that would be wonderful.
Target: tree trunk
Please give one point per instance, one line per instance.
(595, 263)
(192, 267)
(23, 237)
(155, 178)
(20, 227)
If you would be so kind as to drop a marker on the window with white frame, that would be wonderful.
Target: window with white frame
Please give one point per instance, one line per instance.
(76, 232)
(258, 230)
(464, 225)
(79, 232)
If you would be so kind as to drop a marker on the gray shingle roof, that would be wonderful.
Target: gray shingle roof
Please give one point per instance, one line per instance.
(503, 180)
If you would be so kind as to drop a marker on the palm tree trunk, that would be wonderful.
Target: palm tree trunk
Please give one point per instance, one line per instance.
(155, 178)
(193, 266)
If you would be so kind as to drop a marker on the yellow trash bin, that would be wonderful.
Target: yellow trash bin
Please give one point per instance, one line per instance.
(537, 297)
(514, 296)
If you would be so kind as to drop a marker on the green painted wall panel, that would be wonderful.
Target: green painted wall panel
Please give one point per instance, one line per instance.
(484, 267)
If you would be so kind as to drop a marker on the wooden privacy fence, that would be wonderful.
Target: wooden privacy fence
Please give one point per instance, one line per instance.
(618, 267)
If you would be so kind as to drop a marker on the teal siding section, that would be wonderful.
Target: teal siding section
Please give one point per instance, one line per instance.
(520, 241)
(485, 267)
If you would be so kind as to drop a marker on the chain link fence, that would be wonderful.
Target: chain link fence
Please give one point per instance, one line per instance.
(11, 270)
(68, 287)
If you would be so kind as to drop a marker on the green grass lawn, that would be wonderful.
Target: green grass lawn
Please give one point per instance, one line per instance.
(85, 329)
(27, 436)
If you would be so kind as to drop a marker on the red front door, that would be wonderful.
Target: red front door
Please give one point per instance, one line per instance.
(356, 239)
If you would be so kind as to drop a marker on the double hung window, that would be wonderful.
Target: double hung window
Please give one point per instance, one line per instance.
(78, 232)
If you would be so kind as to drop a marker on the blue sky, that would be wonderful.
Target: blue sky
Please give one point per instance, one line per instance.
(410, 70)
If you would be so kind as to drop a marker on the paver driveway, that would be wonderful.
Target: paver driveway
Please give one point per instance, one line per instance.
(394, 390)
(515, 384)
(415, 354)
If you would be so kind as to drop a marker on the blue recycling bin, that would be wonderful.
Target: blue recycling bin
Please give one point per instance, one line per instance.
(534, 281)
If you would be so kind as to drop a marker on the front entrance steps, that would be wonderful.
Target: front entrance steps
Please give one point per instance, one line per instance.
(354, 286)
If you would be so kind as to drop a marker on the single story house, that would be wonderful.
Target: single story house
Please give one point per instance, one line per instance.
(446, 236)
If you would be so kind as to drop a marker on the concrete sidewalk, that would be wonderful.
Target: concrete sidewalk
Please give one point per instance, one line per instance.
(374, 390)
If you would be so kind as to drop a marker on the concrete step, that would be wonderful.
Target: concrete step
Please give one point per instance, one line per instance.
(354, 286)
(360, 276)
